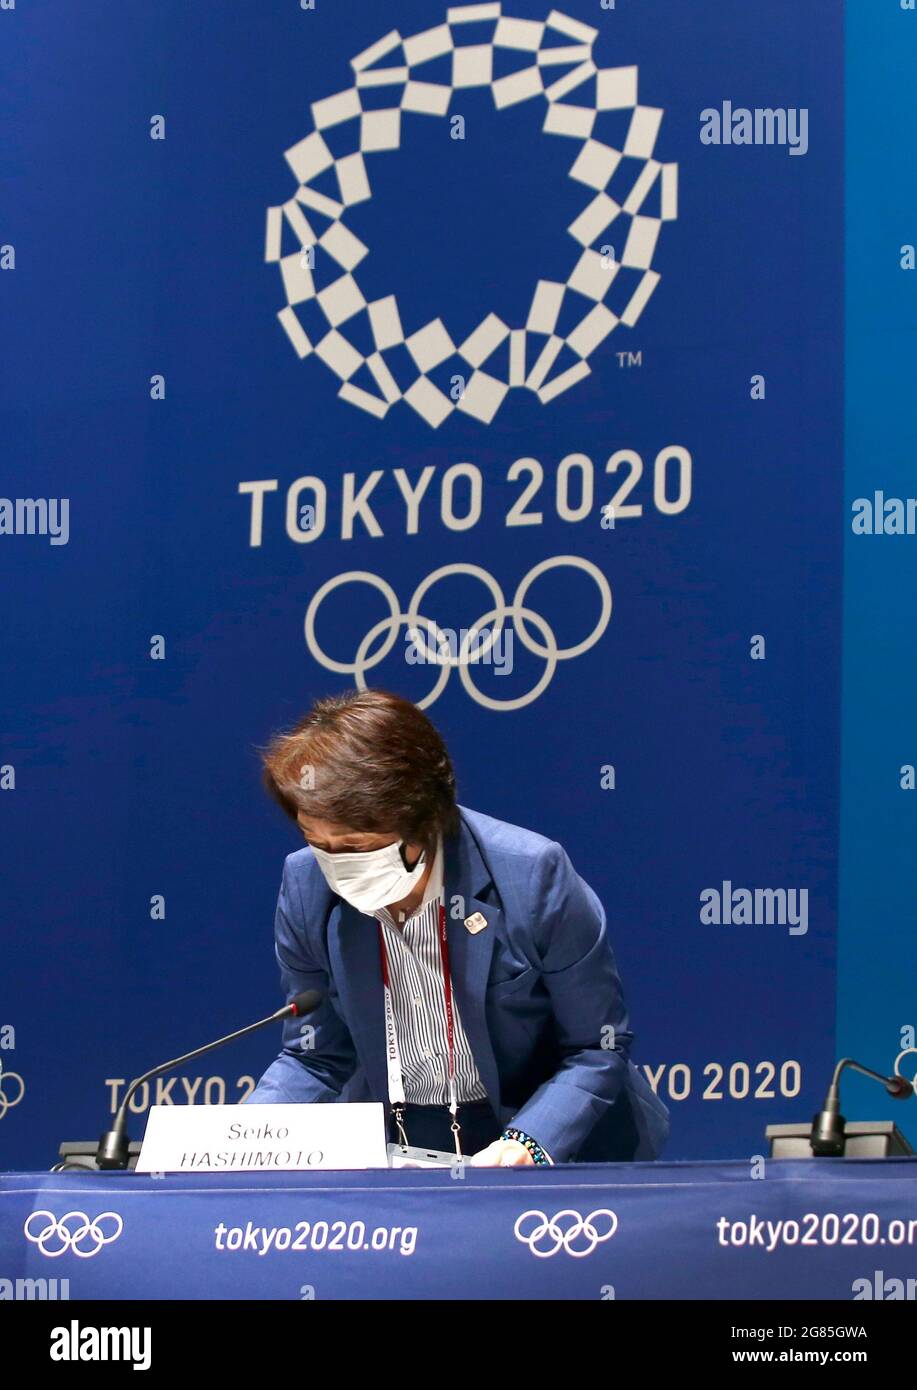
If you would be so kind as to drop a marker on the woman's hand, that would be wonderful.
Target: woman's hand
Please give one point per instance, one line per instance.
(502, 1153)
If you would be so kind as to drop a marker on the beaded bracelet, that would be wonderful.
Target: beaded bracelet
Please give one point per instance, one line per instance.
(538, 1154)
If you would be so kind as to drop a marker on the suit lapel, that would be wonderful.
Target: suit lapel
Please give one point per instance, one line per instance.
(465, 876)
(353, 943)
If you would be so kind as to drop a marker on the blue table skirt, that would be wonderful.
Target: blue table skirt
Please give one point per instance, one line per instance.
(824, 1229)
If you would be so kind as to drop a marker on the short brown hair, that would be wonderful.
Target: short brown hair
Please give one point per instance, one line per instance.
(374, 763)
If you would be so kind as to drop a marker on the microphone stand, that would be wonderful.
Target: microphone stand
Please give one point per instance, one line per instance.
(113, 1148)
(828, 1133)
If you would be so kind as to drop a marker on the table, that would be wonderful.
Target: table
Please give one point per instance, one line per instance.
(828, 1228)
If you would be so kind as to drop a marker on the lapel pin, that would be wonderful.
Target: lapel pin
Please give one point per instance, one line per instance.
(475, 923)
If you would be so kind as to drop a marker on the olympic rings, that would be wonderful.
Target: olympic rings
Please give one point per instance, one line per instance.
(365, 658)
(57, 1229)
(564, 1239)
(5, 1102)
(906, 1053)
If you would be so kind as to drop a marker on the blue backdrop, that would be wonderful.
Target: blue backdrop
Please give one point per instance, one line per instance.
(596, 304)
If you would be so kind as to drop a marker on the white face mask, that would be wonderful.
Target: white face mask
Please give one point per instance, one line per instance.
(370, 879)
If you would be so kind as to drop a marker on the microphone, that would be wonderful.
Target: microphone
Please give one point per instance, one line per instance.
(112, 1151)
(827, 1136)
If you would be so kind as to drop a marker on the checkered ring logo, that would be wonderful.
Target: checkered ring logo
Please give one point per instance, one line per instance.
(600, 291)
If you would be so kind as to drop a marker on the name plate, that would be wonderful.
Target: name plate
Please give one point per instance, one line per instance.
(263, 1138)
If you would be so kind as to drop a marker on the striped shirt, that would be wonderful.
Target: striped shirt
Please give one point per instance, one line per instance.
(418, 1001)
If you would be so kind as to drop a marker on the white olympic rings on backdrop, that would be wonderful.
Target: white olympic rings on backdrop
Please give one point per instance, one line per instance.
(912, 1079)
(498, 613)
(57, 1229)
(5, 1102)
(549, 1227)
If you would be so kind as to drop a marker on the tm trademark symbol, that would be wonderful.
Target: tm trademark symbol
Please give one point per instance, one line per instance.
(630, 359)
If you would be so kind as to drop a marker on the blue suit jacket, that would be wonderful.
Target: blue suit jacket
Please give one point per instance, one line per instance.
(536, 991)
